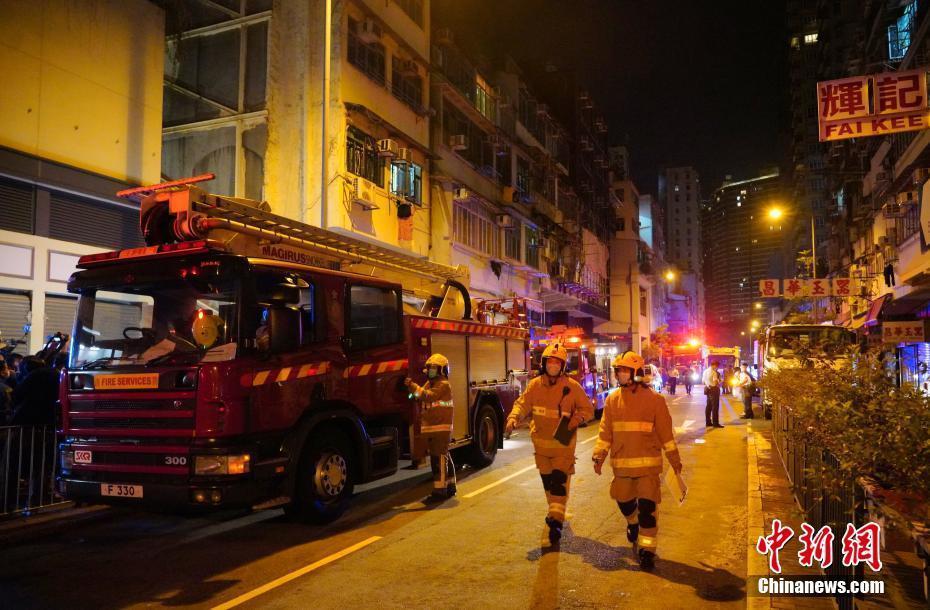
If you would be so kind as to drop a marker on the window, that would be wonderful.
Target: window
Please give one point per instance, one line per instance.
(523, 175)
(413, 8)
(532, 247)
(643, 302)
(899, 33)
(474, 226)
(374, 316)
(795, 42)
(204, 79)
(362, 156)
(407, 87)
(407, 181)
(369, 58)
(810, 38)
(512, 241)
(267, 289)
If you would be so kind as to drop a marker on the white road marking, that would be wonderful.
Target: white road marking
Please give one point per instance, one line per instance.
(498, 482)
(684, 426)
(295, 574)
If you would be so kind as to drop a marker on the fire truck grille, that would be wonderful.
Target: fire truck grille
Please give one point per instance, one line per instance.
(128, 459)
(132, 405)
(148, 423)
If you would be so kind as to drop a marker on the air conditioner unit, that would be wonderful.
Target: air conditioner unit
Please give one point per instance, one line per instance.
(505, 221)
(404, 156)
(444, 36)
(407, 67)
(458, 142)
(363, 194)
(387, 148)
(460, 193)
(494, 139)
(369, 31)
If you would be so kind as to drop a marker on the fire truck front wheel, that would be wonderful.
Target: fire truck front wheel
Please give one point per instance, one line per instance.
(325, 478)
(487, 437)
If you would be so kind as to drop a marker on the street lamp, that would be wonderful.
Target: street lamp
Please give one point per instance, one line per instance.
(670, 275)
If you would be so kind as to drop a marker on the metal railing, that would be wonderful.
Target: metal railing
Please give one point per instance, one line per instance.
(825, 495)
(28, 467)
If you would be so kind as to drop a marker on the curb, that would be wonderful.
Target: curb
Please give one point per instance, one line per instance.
(755, 563)
(26, 529)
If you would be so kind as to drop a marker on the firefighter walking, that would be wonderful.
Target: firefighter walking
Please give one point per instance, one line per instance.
(436, 410)
(635, 428)
(548, 398)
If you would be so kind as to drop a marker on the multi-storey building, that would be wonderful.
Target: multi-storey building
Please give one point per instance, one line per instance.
(245, 99)
(80, 120)
(680, 195)
(747, 246)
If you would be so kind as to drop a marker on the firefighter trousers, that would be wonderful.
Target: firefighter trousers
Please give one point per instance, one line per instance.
(556, 467)
(638, 499)
(440, 461)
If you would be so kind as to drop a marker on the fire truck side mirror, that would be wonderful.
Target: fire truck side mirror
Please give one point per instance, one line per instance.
(283, 329)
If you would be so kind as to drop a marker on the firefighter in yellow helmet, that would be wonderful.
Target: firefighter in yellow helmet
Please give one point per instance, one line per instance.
(548, 398)
(435, 399)
(635, 428)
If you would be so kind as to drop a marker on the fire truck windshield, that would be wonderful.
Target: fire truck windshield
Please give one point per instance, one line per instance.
(148, 322)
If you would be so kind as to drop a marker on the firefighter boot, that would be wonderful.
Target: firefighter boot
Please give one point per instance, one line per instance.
(555, 530)
(647, 559)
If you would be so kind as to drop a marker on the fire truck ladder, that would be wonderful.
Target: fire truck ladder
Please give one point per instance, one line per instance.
(206, 212)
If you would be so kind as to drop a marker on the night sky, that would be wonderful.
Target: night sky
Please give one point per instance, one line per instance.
(682, 82)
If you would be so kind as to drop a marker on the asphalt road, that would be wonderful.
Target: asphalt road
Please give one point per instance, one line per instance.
(485, 548)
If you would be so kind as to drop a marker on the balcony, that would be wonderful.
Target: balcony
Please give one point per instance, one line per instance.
(464, 87)
(577, 287)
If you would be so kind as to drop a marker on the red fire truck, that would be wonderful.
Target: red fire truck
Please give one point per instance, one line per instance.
(245, 359)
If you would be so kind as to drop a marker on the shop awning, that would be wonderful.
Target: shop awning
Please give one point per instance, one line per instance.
(875, 310)
(908, 304)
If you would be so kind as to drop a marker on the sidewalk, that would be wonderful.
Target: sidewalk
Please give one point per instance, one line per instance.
(20, 529)
(770, 498)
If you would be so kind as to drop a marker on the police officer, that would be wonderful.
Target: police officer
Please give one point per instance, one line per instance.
(436, 411)
(548, 398)
(635, 428)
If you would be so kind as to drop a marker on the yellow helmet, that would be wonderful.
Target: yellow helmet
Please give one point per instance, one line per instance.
(438, 360)
(555, 350)
(629, 359)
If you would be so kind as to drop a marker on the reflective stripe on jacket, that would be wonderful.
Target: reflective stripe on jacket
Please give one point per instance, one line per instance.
(436, 408)
(544, 401)
(635, 429)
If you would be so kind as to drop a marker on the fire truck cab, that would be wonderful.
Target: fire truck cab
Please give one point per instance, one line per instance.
(242, 360)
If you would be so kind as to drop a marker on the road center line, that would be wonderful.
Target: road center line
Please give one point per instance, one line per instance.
(498, 482)
(295, 574)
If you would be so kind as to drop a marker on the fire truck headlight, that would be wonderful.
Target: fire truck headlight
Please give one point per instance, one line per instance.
(239, 464)
(222, 464)
(211, 464)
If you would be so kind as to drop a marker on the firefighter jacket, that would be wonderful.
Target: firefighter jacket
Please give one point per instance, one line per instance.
(435, 405)
(635, 428)
(547, 403)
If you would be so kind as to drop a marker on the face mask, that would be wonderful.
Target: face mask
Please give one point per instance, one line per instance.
(432, 372)
(553, 368)
(624, 377)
